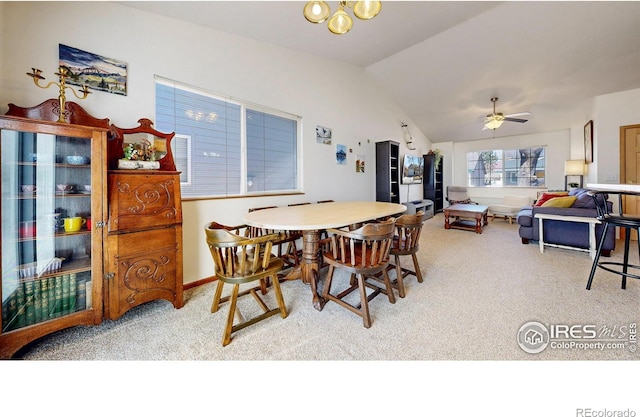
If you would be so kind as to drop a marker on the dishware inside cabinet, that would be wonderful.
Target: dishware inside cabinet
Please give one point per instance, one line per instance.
(48, 278)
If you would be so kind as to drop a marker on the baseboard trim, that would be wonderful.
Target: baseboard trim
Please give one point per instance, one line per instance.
(198, 283)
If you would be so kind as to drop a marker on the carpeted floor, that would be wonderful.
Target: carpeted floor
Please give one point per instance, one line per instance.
(449, 347)
(479, 290)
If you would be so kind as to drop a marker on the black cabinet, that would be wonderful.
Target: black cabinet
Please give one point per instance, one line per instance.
(432, 184)
(388, 172)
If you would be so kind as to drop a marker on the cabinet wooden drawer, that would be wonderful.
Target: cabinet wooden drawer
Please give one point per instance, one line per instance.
(143, 201)
(143, 266)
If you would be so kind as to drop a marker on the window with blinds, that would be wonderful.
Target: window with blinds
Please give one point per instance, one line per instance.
(226, 147)
(523, 167)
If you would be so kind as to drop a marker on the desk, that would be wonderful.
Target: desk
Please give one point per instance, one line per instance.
(310, 219)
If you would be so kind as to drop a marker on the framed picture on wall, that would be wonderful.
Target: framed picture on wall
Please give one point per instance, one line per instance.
(588, 142)
(95, 71)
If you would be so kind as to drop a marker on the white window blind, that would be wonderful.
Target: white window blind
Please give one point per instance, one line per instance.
(226, 147)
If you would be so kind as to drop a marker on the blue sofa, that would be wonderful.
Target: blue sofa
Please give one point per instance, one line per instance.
(564, 232)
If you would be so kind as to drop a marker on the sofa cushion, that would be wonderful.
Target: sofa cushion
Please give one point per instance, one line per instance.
(549, 195)
(584, 200)
(564, 202)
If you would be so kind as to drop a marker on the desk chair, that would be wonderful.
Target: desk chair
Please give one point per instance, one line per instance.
(241, 260)
(609, 219)
(363, 253)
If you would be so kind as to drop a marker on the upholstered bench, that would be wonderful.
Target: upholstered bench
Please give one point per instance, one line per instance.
(510, 207)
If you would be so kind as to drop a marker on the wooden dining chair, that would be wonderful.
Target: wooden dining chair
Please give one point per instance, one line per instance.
(286, 244)
(406, 242)
(363, 253)
(241, 260)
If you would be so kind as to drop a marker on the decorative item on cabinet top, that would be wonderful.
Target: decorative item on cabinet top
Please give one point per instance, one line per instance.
(141, 147)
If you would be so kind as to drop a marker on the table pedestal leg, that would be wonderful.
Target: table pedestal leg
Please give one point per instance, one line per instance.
(446, 220)
(310, 264)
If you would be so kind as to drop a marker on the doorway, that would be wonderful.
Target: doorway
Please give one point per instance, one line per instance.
(630, 168)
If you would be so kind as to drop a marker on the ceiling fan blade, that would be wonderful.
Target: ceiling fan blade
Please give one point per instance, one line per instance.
(526, 113)
(511, 119)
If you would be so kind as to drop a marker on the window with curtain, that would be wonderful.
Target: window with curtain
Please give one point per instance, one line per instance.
(523, 167)
(227, 147)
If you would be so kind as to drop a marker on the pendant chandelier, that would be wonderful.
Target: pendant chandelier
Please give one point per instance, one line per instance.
(340, 23)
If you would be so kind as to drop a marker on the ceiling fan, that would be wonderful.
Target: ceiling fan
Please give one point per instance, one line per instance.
(495, 120)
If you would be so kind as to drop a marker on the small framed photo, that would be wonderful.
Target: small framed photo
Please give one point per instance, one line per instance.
(588, 142)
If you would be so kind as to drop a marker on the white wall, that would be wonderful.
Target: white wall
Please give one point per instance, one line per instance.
(610, 112)
(323, 92)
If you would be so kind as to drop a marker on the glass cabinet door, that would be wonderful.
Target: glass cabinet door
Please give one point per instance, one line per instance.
(46, 227)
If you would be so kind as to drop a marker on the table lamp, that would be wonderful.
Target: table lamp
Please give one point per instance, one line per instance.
(573, 168)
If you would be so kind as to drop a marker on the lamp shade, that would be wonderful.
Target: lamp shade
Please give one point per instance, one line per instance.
(574, 167)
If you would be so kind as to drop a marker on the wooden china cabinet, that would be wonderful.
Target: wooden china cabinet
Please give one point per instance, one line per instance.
(128, 250)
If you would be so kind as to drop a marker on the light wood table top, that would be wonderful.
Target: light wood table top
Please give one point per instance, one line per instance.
(310, 219)
(321, 216)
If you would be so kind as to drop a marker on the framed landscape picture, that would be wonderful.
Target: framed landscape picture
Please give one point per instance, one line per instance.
(94, 71)
(588, 142)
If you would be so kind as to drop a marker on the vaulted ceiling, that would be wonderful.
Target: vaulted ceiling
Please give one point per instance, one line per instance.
(442, 61)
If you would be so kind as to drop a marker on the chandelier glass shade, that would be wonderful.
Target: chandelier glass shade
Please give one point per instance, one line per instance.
(316, 11)
(341, 23)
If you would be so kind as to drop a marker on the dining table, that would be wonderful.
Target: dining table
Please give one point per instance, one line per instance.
(310, 219)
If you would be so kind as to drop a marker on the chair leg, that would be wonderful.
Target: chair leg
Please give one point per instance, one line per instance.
(279, 298)
(399, 277)
(387, 284)
(216, 298)
(594, 266)
(352, 280)
(264, 285)
(364, 306)
(625, 267)
(226, 339)
(417, 267)
(327, 282)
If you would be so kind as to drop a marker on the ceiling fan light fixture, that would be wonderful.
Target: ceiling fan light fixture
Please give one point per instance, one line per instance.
(367, 9)
(340, 23)
(316, 11)
(494, 121)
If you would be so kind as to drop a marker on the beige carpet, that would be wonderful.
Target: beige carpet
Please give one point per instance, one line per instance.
(479, 290)
(450, 346)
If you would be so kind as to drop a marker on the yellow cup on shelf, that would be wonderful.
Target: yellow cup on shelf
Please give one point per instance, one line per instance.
(73, 224)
